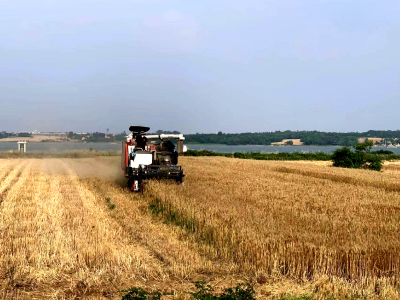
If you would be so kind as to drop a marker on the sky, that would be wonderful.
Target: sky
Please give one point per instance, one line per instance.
(199, 66)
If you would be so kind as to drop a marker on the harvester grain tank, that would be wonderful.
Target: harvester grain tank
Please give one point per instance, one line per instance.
(146, 156)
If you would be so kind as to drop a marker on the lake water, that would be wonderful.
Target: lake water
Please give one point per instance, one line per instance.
(60, 146)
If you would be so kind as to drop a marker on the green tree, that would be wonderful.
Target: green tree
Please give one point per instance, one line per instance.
(364, 147)
(361, 157)
(121, 136)
(343, 158)
(24, 134)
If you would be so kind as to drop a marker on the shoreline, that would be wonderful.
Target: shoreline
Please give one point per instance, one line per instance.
(15, 140)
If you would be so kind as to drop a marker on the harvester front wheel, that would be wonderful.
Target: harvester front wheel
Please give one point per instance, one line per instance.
(179, 180)
(131, 185)
(135, 185)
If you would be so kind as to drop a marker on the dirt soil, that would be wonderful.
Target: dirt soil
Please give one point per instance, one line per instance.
(296, 142)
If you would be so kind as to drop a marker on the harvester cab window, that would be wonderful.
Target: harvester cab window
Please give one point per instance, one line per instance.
(166, 146)
(141, 142)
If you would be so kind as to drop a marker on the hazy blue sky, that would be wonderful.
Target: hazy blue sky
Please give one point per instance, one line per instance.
(200, 66)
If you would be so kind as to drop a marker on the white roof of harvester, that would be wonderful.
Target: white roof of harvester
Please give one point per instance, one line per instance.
(164, 136)
(160, 136)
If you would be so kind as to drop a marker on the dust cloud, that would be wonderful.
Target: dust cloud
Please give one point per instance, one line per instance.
(103, 167)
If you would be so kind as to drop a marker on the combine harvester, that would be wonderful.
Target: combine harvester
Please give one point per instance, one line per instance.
(142, 160)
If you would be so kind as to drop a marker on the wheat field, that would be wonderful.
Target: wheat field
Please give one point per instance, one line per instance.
(70, 229)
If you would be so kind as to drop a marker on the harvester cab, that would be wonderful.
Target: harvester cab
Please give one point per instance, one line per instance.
(146, 156)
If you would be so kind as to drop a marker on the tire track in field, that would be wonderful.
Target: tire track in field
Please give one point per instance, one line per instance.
(15, 232)
(101, 239)
(6, 168)
(5, 174)
(10, 180)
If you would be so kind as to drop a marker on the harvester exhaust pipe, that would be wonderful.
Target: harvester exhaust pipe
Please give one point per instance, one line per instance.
(179, 146)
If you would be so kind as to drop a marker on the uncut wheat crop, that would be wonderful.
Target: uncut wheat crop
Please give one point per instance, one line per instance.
(70, 229)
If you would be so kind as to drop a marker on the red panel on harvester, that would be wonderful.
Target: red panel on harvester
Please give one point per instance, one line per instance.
(123, 156)
(126, 156)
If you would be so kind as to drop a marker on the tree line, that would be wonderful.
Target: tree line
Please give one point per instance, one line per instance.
(4, 134)
(96, 137)
(307, 137)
